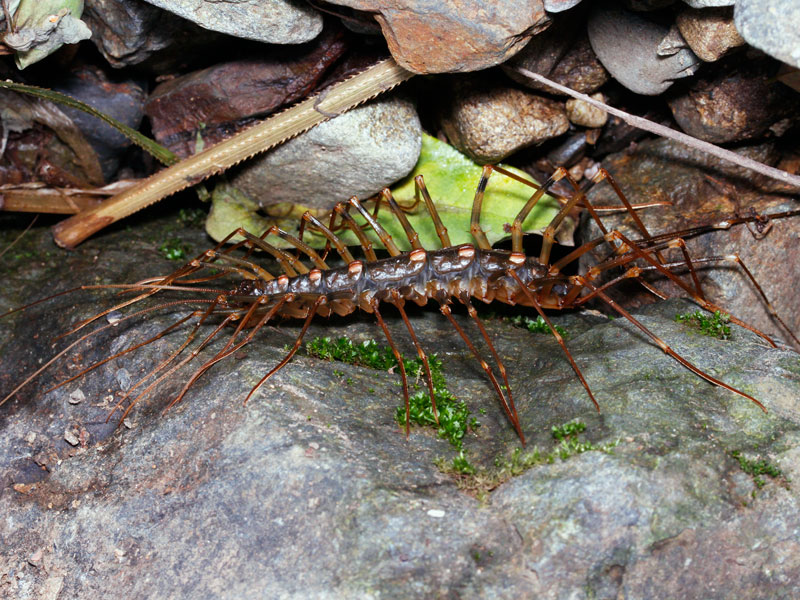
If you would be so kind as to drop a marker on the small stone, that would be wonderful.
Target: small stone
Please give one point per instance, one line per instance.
(584, 114)
(35, 559)
(123, 379)
(627, 44)
(128, 424)
(71, 438)
(456, 35)
(490, 122)
(710, 33)
(76, 396)
(114, 316)
(355, 154)
(270, 21)
(313, 445)
(561, 53)
(30, 437)
(436, 513)
(772, 26)
(739, 102)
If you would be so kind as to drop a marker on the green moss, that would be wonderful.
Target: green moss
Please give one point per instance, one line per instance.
(715, 325)
(537, 325)
(757, 468)
(454, 416)
(479, 482)
(174, 249)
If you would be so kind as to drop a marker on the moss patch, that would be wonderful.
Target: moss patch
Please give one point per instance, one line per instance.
(715, 325)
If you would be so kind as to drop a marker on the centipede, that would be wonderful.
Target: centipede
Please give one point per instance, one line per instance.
(228, 289)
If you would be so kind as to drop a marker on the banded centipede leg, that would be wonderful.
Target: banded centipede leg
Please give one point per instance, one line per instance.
(384, 236)
(555, 333)
(511, 414)
(374, 304)
(500, 366)
(441, 230)
(411, 233)
(311, 312)
(228, 349)
(342, 210)
(662, 344)
(331, 237)
(398, 302)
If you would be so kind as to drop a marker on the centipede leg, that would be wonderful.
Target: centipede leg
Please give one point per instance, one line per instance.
(311, 312)
(663, 345)
(557, 335)
(441, 230)
(500, 366)
(398, 302)
(374, 303)
(445, 310)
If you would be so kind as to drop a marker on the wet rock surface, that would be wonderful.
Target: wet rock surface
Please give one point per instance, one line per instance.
(703, 191)
(314, 475)
(355, 154)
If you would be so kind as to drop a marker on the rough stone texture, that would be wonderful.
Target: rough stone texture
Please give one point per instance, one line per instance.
(313, 476)
(271, 21)
(710, 33)
(129, 33)
(229, 91)
(121, 100)
(561, 53)
(357, 153)
(490, 122)
(739, 102)
(585, 114)
(454, 35)
(703, 191)
(627, 44)
(772, 26)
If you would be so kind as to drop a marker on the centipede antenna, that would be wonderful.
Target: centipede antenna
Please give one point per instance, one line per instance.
(311, 312)
(374, 306)
(398, 302)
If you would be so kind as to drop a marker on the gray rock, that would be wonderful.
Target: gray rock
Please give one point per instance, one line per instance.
(490, 122)
(710, 33)
(627, 44)
(128, 33)
(357, 153)
(314, 477)
(271, 21)
(772, 26)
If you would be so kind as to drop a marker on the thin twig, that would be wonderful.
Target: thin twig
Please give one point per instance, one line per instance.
(667, 132)
(19, 237)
